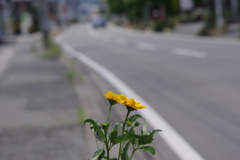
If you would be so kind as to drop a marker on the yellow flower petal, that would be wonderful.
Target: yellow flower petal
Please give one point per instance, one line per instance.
(111, 96)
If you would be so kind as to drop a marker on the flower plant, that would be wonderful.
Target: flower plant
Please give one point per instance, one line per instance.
(127, 136)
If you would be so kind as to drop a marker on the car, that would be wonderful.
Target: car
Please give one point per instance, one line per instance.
(98, 22)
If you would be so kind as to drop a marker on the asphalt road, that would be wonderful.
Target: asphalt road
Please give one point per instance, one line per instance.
(193, 83)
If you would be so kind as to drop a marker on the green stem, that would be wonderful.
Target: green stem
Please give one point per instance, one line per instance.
(108, 154)
(107, 146)
(133, 153)
(97, 143)
(124, 124)
(109, 112)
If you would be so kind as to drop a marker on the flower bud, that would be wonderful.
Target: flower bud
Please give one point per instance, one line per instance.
(104, 125)
(129, 123)
(92, 127)
(136, 124)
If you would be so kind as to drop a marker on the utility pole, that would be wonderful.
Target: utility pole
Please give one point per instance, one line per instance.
(234, 6)
(219, 13)
(44, 22)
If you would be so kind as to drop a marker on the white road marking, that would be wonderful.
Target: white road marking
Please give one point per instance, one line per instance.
(121, 41)
(146, 46)
(179, 145)
(5, 58)
(190, 53)
(175, 37)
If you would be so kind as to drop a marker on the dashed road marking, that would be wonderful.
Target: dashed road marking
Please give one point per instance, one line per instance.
(190, 53)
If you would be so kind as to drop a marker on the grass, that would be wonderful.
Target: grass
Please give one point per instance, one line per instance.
(72, 72)
(52, 52)
(81, 114)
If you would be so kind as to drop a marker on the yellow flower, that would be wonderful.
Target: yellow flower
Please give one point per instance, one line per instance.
(133, 104)
(112, 96)
(122, 98)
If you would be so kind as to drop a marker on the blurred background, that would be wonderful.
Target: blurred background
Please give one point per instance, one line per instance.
(199, 17)
(181, 56)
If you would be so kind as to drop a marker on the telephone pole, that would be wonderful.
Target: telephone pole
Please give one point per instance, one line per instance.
(234, 6)
(219, 13)
(44, 22)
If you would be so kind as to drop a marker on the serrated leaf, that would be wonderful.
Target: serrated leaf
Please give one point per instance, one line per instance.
(113, 134)
(119, 124)
(100, 132)
(124, 137)
(144, 128)
(148, 148)
(98, 155)
(99, 137)
(132, 131)
(124, 154)
(156, 130)
(134, 117)
(97, 129)
(145, 139)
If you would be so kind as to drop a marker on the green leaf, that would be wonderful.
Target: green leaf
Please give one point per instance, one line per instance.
(97, 129)
(100, 133)
(98, 155)
(99, 137)
(132, 131)
(110, 158)
(134, 117)
(91, 122)
(119, 124)
(148, 148)
(145, 139)
(156, 130)
(124, 154)
(124, 137)
(144, 128)
(113, 134)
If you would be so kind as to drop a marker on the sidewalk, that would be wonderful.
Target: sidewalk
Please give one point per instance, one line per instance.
(38, 107)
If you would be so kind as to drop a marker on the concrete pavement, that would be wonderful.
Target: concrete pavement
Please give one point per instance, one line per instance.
(38, 107)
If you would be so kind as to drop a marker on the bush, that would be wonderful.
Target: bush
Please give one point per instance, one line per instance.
(168, 23)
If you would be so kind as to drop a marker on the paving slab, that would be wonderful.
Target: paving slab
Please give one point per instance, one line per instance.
(38, 108)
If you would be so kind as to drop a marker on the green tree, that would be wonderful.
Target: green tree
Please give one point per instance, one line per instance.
(116, 6)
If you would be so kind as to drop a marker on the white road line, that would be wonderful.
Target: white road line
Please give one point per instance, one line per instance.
(121, 41)
(5, 58)
(145, 46)
(190, 53)
(175, 37)
(171, 137)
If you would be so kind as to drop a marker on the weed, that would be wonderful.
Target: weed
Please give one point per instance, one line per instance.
(81, 114)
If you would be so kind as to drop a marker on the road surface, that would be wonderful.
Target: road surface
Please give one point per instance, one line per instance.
(192, 83)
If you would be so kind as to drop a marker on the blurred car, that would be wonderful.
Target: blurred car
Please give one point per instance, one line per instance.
(98, 22)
